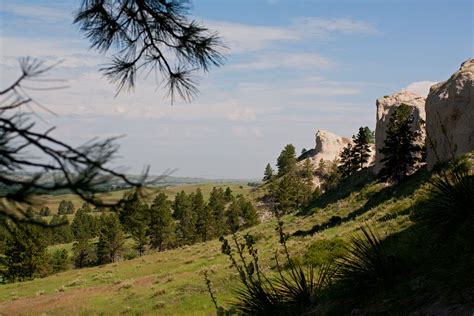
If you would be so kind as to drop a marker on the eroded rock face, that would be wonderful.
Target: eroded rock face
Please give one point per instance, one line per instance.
(328, 146)
(450, 116)
(385, 108)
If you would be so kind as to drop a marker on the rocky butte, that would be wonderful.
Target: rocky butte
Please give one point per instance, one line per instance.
(450, 116)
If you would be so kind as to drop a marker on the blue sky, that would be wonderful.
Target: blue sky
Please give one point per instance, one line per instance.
(293, 67)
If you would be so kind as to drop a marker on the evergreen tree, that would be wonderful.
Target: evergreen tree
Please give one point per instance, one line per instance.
(370, 134)
(305, 183)
(25, 255)
(204, 218)
(86, 207)
(248, 212)
(83, 252)
(286, 162)
(268, 174)
(216, 204)
(186, 230)
(234, 214)
(61, 232)
(347, 166)
(84, 225)
(161, 227)
(284, 193)
(65, 207)
(111, 239)
(400, 150)
(45, 211)
(59, 260)
(228, 195)
(133, 212)
(140, 236)
(180, 205)
(361, 149)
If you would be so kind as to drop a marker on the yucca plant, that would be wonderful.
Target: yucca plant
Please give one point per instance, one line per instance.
(368, 264)
(450, 201)
(293, 291)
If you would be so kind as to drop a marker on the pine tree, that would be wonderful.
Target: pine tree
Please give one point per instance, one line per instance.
(161, 229)
(286, 162)
(180, 204)
(204, 219)
(347, 166)
(111, 239)
(65, 207)
(268, 174)
(361, 149)
(25, 255)
(84, 225)
(228, 195)
(248, 212)
(83, 252)
(216, 204)
(400, 150)
(234, 214)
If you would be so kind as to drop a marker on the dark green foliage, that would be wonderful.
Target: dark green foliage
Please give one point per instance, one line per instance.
(181, 205)
(133, 212)
(86, 207)
(248, 211)
(233, 215)
(84, 225)
(45, 211)
(286, 162)
(111, 239)
(361, 149)
(60, 232)
(84, 254)
(59, 260)
(370, 135)
(269, 173)
(204, 219)
(401, 152)
(450, 199)
(161, 229)
(65, 207)
(368, 264)
(25, 254)
(217, 204)
(228, 194)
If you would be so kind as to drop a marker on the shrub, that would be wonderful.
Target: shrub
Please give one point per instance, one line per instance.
(323, 252)
(368, 263)
(450, 201)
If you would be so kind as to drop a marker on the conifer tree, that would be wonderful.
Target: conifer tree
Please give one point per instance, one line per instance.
(248, 212)
(216, 204)
(286, 162)
(180, 204)
(401, 152)
(234, 214)
(83, 252)
(161, 229)
(347, 166)
(228, 195)
(361, 149)
(25, 255)
(65, 207)
(268, 174)
(111, 239)
(204, 219)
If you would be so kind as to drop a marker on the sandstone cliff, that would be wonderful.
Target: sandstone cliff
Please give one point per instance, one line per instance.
(385, 108)
(450, 116)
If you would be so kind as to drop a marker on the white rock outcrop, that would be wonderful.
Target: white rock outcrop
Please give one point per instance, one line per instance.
(450, 116)
(385, 108)
(328, 146)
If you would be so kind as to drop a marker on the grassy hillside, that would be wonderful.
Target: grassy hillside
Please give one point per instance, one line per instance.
(171, 282)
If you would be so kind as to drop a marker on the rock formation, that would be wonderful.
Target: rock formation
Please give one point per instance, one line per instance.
(328, 146)
(450, 116)
(385, 108)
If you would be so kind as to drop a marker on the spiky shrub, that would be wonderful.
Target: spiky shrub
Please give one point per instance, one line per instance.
(368, 264)
(293, 291)
(450, 202)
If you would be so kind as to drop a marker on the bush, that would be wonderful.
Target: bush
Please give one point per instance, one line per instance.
(59, 260)
(323, 252)
(450, 199)
(368, 264)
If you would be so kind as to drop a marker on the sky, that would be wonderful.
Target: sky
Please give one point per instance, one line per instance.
(293, 67)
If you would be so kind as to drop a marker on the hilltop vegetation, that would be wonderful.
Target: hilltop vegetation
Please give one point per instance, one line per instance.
(171, 282)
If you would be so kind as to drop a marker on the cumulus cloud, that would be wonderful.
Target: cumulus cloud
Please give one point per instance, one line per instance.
(420, 87)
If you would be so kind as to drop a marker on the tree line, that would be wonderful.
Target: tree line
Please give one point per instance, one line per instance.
(99, 238)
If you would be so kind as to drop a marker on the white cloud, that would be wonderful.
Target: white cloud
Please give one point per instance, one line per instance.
(316, 26)
(285, 60)
(243, 114)
(43, 13)
(420, 87)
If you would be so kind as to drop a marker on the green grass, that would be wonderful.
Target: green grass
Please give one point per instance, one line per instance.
(171, 282)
